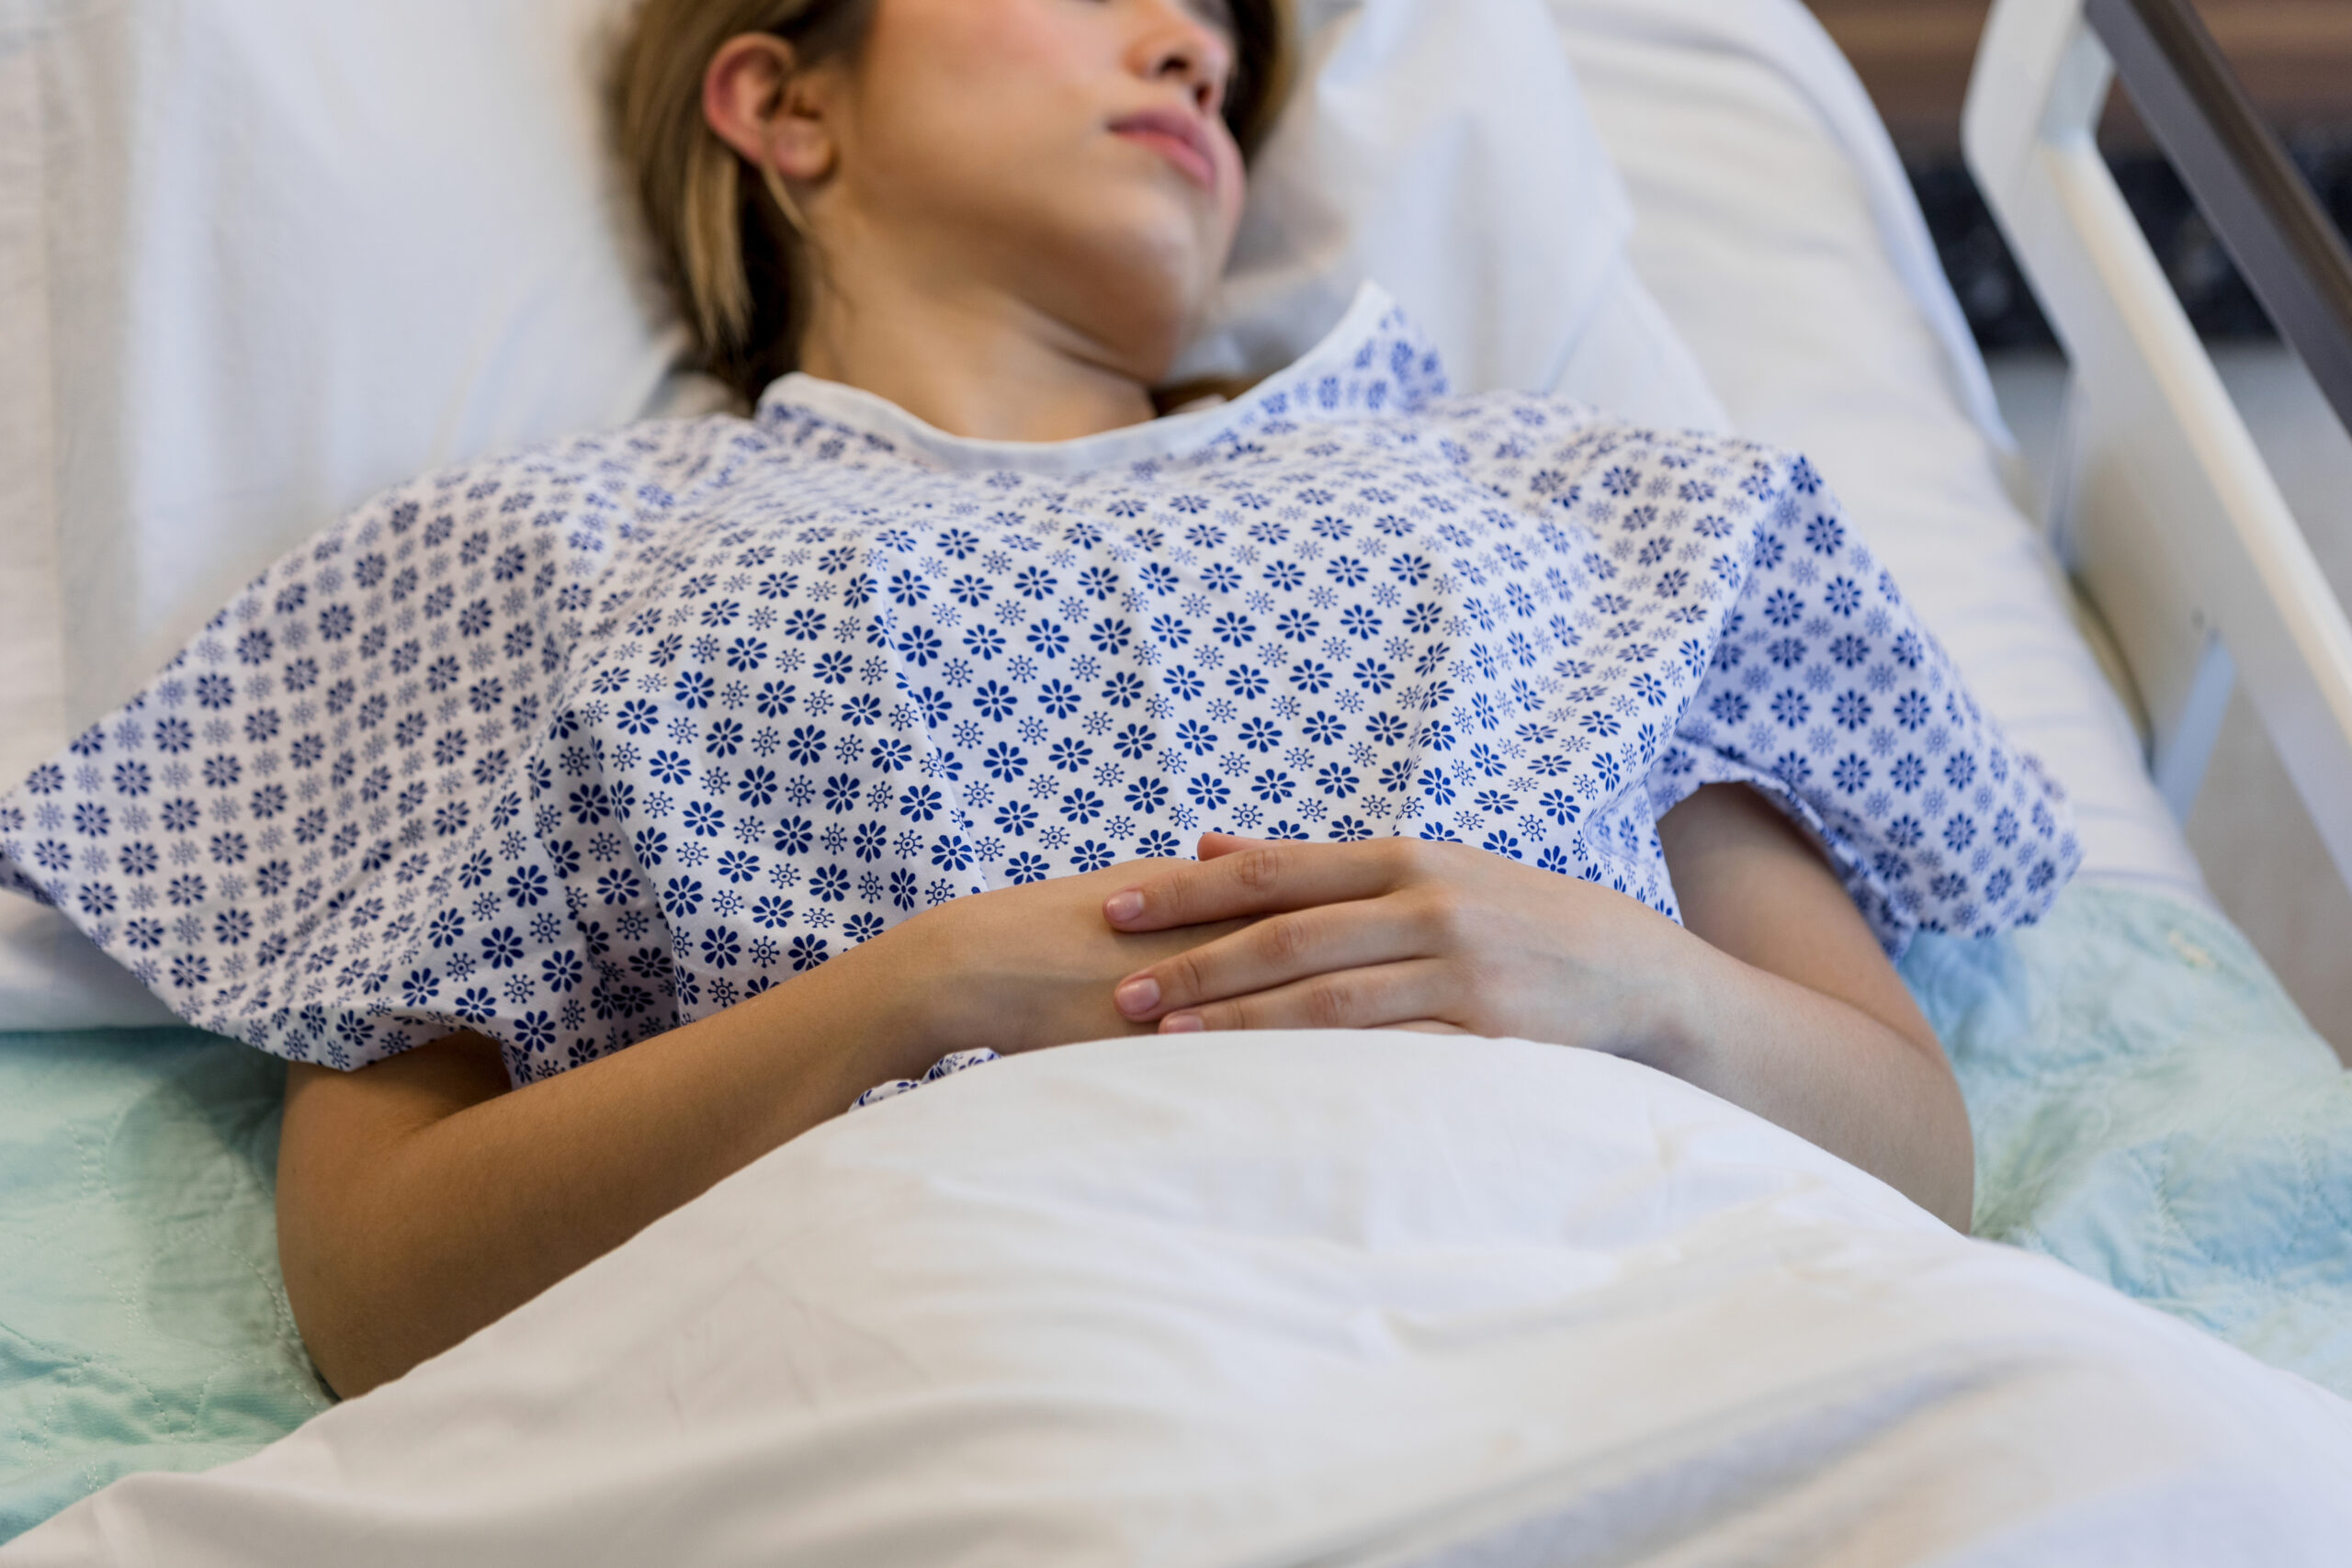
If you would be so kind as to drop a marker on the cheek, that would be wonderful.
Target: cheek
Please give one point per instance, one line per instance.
(961, 98)
(977, 61)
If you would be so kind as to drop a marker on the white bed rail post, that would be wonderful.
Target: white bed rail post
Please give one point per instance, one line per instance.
(2167, 514)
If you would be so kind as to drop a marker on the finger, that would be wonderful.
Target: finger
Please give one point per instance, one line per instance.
(1258, 879)
(1275, 952)
(1407, 993)
(1215, 846)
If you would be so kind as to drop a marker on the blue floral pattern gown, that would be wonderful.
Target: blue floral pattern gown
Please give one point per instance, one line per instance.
(571, 747)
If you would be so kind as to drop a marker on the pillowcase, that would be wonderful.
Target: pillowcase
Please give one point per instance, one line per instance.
(298, 252)
(1440, 149)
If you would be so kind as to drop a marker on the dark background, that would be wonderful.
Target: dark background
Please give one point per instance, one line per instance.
(2294, 56)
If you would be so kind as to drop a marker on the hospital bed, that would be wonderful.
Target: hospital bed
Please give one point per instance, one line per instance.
(2150, 1110)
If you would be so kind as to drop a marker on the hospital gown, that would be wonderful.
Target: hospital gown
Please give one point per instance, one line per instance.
(572, 747)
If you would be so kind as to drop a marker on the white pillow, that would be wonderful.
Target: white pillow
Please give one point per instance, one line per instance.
(1442, 149)
(301, 252)
(1629, 360)
(32, 719)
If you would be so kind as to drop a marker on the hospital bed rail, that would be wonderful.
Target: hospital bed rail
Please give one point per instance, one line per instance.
(2161, 506)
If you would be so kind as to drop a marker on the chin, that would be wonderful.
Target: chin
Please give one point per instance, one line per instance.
(1141, 285)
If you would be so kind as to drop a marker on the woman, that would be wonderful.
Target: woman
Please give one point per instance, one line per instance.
(795, 754)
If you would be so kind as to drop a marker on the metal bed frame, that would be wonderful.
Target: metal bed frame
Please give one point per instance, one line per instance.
(2163, 509)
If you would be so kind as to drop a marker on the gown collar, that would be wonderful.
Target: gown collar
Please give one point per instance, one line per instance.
(1345, 372)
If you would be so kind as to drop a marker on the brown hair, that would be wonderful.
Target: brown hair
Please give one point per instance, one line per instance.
(729, 253)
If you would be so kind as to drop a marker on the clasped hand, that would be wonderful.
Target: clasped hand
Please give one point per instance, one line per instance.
(1777, 998)
(1400, 934)
(1392, 934)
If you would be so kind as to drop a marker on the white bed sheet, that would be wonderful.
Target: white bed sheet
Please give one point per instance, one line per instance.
(1289, 1298)
(1774, 225)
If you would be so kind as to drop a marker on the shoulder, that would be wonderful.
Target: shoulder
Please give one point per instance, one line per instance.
(1569, 462)
(574, 489)
(1509, 427)
(652, 464)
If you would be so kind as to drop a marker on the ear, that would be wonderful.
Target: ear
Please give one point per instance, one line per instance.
(772, 113)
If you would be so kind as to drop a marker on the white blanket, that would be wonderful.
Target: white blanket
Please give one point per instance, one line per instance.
(1273, 1299)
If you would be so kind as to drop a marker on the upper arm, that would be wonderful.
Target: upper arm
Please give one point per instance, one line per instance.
(340, 1130)
(1752, 884)
(329, 1113)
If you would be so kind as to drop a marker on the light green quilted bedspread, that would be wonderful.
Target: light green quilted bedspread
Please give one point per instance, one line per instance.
(2150, 1109)
(2148, 1106)
(143, 1324)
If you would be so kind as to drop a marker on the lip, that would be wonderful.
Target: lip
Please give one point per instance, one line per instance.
(1182, 140)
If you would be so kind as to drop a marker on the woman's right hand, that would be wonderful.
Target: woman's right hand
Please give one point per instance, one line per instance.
(1022, 968)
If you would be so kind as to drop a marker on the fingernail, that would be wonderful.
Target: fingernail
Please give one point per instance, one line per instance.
(1138, 996)
(1180, 1023)
(1125, 906)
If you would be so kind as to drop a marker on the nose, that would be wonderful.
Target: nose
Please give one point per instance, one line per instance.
(1179, 47)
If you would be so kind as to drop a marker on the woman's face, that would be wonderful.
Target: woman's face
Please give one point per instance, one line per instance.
(1072, 152)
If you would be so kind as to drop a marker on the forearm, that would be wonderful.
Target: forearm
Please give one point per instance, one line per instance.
(1791, 1010)
(1826, 1071)
(457, 1215)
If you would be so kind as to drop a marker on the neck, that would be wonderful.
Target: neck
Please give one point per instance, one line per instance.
(964, 356)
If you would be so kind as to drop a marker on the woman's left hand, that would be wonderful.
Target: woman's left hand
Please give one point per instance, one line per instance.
(1401, 932)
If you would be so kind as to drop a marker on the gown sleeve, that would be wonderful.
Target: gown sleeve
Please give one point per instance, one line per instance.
(327, 829)
(1827, 694)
